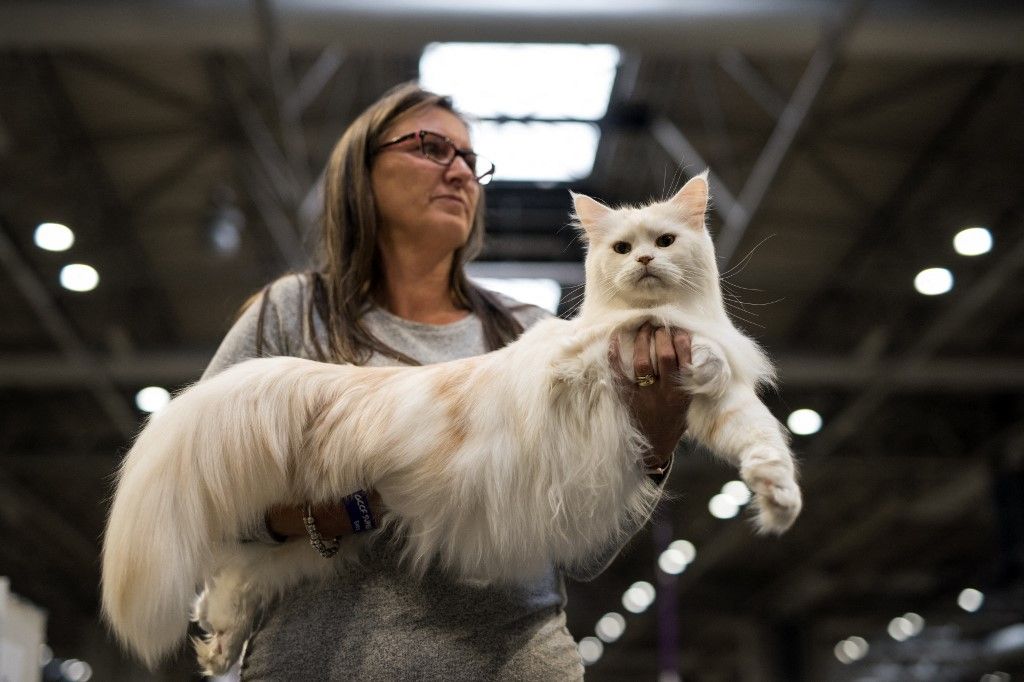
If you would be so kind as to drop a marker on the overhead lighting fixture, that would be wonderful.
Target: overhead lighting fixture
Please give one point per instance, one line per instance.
(590, 649)
(152, 399)
(638, 597)
(610, 627)
(672, 561)
(903, 628)
(535, 104)
(538, 151)
(54, 237)
(722, 506)
(916, 623)
(933, 281)
(738, 491)
(522, 80)
(75, 670)
(970, 600)
(973, 241)
(851, 649)
(79, 277)
(686, 548)
(804, 422)
(542, 292)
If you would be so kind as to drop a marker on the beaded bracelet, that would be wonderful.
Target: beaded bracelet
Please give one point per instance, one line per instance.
(326, 548)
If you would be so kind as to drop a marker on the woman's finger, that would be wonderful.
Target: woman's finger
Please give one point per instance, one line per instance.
(642, 352)
(665, 352)
(682, 341)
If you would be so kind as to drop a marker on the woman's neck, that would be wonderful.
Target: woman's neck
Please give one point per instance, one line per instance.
(417, 288)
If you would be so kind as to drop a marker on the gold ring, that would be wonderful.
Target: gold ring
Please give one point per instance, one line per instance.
(645, 380)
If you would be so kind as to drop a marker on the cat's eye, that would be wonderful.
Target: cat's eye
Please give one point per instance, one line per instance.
(665, 240)
(622, 247)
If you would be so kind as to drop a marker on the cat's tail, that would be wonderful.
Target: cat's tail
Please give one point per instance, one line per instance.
(197, 476)
(156, 544)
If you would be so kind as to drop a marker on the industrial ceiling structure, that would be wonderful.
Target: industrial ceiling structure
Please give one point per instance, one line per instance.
(848, 142)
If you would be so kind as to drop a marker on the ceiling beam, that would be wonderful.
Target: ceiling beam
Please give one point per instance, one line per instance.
(881, 380)
(916, 28)
(787, 127)
(798, 372)
(75, 353)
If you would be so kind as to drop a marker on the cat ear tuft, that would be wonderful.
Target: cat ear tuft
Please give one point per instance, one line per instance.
(692, 201)
(588, 211)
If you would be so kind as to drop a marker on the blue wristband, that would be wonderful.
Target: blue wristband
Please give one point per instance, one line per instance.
(359, 515)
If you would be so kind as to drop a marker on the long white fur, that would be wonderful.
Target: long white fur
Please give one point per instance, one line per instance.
(493, 466)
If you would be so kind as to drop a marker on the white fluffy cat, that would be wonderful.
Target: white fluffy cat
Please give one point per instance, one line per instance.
(493, 466)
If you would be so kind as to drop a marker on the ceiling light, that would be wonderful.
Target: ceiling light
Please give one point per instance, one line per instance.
(686, 548)
(840, 652)
(535, 151)
(590, 649)
(722, 506)
(79, 277)
(522, 80)
(610, 627)
(804, 422)
(638, 597)
(738, 491)
(970, 600)
(855, 647)
(900, 629)
(916, 623)
(152, 399)
(973, 241)
(54, 237)
(933, 281)
(76, 671)
(672, 561)
(542, 292)
(535, 102)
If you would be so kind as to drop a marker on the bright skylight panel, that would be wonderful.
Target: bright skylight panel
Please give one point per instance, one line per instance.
(522, 80)
(542, 292)
(536, 151)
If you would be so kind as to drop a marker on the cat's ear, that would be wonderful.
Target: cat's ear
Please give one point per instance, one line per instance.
(589, 211)
(691, 202)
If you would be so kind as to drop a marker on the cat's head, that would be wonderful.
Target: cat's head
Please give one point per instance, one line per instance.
(649, 255)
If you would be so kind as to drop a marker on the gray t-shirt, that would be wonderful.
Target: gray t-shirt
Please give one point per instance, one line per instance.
(375, 622)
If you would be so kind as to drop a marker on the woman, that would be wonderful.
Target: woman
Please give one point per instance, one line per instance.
(403, 213)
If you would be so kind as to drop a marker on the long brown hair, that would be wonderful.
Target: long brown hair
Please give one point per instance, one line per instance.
(350, 265)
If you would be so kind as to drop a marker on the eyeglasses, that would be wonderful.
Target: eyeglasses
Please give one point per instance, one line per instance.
(441, 150)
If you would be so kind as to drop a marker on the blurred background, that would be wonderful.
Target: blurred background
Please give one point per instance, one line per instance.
(160, 161)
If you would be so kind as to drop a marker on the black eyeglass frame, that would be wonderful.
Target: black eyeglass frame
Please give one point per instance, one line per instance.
(468, 155)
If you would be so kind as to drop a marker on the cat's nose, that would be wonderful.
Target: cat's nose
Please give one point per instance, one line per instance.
(645, 259)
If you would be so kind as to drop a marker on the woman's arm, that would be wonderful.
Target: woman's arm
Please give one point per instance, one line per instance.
(332, 520)
(659, 411)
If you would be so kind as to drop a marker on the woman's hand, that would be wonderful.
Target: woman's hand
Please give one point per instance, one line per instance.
(331, 519)
(658, 408)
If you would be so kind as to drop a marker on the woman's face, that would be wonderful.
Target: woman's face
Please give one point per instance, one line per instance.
(420, 202)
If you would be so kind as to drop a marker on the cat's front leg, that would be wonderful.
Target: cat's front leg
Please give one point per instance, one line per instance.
(708, 373)
(769, 473)
(740, 429)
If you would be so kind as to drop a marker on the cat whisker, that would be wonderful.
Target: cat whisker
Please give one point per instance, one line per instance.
(742, 263)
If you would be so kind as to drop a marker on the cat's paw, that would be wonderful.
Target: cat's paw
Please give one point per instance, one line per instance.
(216, 652)
(777, 494)
(224, 613)
(708, 373)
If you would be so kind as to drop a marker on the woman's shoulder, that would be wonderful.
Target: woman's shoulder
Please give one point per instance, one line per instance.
(289, 291)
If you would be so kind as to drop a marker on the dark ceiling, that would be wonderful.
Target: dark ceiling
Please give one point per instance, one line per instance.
(848, 143)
